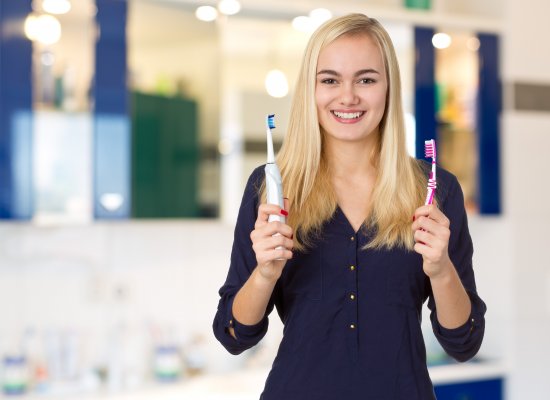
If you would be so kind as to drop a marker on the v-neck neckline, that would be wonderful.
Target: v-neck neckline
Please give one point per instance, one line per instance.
(349, 226)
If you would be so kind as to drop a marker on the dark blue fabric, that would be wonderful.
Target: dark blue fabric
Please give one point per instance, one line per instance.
(338, 347)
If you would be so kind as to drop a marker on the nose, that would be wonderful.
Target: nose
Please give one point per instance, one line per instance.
(348, 95)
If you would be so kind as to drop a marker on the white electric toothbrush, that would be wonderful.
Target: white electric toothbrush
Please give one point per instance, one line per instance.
(273, 181)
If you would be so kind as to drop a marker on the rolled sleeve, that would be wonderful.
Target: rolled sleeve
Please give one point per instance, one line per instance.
(243, 262)
(463, 342)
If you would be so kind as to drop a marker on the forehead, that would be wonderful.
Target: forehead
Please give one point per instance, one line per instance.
(358, 50)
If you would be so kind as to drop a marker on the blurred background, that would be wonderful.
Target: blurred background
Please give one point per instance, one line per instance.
(128, 129)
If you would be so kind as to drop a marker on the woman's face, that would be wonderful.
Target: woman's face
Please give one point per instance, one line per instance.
(350, 90)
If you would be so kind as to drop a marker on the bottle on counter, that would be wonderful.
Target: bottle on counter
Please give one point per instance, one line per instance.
(15, 375)
(167, 363)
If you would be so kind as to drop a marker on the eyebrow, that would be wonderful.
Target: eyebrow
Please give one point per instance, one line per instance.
(358, 73)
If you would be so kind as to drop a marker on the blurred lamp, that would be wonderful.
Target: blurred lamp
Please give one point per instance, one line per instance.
(56, 6)
(320, 15)
(473, 44)
(229, 7)
(111, 201)
(302, 24)
(441, 40)
(276, 83)
(45, 29)
(206, 13)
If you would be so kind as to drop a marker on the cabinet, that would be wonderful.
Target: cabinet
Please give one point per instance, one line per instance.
(164, 157)
(469, 381)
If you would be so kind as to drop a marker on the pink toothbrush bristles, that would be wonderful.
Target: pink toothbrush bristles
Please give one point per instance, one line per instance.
(430, 152)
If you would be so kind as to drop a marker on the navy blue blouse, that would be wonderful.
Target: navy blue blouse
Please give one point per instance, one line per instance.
(351, 317)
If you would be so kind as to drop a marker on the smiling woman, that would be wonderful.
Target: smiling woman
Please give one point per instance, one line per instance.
(359, 254)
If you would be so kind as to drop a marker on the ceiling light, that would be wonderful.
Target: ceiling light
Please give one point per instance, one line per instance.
(229, 7)
(31, 29)
(276, 83)
(206, 13)
(56, 6)
(320, 15)
(441, 40)
(473, 44)
(45, 29)
(302, 24)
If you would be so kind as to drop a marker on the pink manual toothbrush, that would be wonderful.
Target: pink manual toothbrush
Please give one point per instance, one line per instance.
(429, 151)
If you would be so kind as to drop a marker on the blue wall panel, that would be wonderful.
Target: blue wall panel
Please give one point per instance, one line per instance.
(424, 83)
(15, 112)
(489, 107)
(112, 133)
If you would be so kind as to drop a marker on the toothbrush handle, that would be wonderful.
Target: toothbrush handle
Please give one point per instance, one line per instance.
(274, 190)
(274, 193)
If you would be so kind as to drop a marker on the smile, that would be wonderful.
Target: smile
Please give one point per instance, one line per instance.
(348, 115)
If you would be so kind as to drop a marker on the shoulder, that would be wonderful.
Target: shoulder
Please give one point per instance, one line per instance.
(256, 178)
(254, 185)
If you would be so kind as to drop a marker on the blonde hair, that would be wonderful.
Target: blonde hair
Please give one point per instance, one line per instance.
(400, 183)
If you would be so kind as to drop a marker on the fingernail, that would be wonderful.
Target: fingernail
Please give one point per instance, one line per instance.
(286, 198)
(284, 212)
(414, 218)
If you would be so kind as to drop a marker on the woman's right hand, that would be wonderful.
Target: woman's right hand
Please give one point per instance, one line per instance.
(271, 260)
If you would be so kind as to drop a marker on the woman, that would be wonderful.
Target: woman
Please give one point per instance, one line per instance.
(361, 254)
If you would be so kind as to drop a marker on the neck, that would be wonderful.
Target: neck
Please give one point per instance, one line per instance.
(347, 159)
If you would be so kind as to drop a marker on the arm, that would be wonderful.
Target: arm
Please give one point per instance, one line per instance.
(252, 299)
(457, 311)
(255, 303)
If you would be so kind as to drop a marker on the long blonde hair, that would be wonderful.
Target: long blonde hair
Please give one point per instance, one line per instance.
(400, 183)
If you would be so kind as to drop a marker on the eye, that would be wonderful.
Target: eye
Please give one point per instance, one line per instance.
(367, 81)
(328, 81)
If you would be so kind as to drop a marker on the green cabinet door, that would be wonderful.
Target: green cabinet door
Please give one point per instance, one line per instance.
(165, 156)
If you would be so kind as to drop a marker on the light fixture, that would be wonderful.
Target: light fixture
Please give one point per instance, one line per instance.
(45, 29)
(302, 24)
(206, 13)
(473, 44)
(441, 40)
(276, 83)
(319, 16)
(56, 6)
(47, 59)
(229, 7)
(111, 201)
(31, 30)
(315, 19)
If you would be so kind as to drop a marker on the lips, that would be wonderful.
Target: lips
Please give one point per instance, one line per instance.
(347, 116)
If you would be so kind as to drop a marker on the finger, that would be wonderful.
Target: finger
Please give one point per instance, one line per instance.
(266, 238)
(275, 227)
(424, 250)
(430, 225)
(274, 255)
(278, 254)
(424, 238)
(433, 212)
(265, 210)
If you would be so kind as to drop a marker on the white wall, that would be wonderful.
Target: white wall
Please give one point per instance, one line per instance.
(526, 162)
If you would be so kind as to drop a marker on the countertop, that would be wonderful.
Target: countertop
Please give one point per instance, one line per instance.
(248, 384)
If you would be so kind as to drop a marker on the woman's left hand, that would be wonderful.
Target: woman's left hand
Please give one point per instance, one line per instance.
(431, 234)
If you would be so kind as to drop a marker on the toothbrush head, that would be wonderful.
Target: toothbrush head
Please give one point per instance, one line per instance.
(429, 149)
(271, 121)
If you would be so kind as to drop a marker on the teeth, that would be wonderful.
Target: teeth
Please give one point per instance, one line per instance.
(348, 115)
